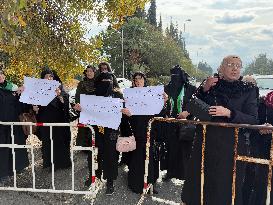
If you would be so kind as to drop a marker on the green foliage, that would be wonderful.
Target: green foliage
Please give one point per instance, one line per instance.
(35, 33)
(140, 13)
(260, 65)
(145, 48)
(203, 66)
(161, 80)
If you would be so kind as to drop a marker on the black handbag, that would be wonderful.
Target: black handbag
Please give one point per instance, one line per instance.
(199, 109)
(186, 131)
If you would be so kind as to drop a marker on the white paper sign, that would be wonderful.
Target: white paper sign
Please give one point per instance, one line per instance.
(101, 111)
(145, 100)
(39, 91)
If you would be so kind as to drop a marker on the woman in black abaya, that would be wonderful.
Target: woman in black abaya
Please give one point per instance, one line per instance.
(106, 138)
(10, 108)
(178, 149)
(138, 125)
(234, 101)
(57, 111)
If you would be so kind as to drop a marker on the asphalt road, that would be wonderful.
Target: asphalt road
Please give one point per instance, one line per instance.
(169, 191)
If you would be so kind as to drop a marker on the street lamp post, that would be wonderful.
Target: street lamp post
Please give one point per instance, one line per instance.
(188, 20)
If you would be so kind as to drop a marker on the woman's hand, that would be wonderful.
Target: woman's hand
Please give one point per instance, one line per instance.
(126, 111)
(265, 131)
(210, 82)
(35, 108)
(183, 115)
(77, 107)
(165, 97)
(219, 111)
(20, 90)
(58, 91)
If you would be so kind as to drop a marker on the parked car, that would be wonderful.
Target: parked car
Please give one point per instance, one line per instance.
(124, 83)
(265, 83)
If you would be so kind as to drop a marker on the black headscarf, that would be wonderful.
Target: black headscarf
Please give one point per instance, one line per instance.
(46, 71)
(104, 88)
(178, 78)
(54, 74)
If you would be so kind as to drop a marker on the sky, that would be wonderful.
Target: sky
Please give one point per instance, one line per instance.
(219, 27)
(222, 27)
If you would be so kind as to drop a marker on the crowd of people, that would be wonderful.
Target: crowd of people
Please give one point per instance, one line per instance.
(230, 99)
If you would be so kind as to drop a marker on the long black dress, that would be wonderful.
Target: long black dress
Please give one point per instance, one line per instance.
(55, 112)
(106, 139)
(10, 108)
(138, 127)
(260, 148)
(178, 151)
(241, 99)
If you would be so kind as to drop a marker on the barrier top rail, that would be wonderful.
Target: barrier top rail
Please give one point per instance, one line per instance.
(221, 124)
(40, 124)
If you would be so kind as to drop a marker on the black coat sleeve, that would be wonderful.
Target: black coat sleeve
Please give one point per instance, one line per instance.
(79, 91)
(249, 113)
(125, 127)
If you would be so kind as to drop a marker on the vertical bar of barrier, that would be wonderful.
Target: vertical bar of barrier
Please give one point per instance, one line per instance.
(94, 158)
(13, 156)
(52, 157)
(145, 187)
(269, 177)
(32, 162)
(236, 131)
(202, 163)
(72, 158)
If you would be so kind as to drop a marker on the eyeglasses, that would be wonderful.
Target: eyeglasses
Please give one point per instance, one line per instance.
(232, 65)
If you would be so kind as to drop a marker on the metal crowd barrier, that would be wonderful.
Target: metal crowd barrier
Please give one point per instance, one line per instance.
(13, 146)
(237, 157)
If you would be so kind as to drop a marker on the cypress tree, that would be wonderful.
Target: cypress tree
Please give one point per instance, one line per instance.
(152, 13)
(160, 24)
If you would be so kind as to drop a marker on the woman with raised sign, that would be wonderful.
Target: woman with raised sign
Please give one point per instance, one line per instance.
(138, 126)
(57, 111)
(87, 87)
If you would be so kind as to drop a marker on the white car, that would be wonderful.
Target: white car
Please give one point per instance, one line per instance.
(265, 83)
(124, 83)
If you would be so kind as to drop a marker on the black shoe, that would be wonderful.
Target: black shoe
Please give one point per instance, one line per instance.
(109, 190)
(166, 179)
(155, 191)
(88, 182)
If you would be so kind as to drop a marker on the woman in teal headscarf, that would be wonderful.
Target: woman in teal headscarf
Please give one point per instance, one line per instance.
(10, 108)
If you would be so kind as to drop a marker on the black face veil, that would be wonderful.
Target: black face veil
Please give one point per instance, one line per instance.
(104, 84)
(178, 78)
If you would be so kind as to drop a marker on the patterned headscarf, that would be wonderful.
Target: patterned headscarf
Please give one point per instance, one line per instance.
(269, 100)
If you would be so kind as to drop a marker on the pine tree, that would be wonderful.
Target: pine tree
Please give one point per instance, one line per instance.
(140, 13)
(167, 31)
(152, 13)
(160, 24)
(171, 28)
(181, 42)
